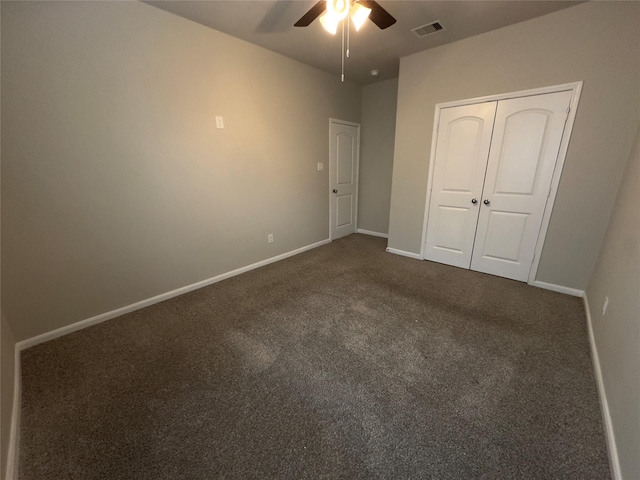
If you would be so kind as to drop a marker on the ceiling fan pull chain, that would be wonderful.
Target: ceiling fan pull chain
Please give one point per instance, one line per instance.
(342, 77)
(348, 35)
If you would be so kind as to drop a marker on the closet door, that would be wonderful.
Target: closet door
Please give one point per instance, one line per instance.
(464, 138)
(524, 149)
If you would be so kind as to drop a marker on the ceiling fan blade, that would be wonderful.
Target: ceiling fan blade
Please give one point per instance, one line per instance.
(315, 11)
(379, 15)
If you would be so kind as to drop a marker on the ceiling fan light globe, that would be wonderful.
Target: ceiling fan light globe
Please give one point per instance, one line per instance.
(338, 8)
(359, 14)
(329, 22)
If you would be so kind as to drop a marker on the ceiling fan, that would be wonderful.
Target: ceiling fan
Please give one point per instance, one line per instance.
(331, 12)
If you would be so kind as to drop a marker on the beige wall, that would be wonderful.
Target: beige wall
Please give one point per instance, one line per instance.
(7, 383)
(379, 102)
(117, 187)
(596, 42)
(617, 333)
(7, 346)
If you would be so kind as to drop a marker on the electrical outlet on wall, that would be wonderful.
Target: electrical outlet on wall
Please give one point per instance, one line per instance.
(270, 238)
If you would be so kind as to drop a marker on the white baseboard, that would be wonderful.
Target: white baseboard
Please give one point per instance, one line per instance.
(45, 337)
(14, 438)
(373, 234)
(14, 433)
(403, 253)
(559, 288)
(610, 438)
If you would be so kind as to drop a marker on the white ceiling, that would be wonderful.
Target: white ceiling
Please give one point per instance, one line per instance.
(269, 23)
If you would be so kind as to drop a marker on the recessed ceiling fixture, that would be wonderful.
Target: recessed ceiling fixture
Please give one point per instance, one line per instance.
(332, 13)
(428, 29)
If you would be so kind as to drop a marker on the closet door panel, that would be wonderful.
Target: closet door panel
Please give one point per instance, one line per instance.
(464, 138)
(524, 149)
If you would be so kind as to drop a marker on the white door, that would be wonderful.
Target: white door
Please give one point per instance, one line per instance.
(494, 163)
(344, 141)
(524, 150)
(464, 138)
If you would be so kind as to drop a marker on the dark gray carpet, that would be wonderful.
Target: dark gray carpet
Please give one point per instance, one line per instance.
(342, 362)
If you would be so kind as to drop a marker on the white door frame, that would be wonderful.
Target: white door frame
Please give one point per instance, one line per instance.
(576, 89)
(331, 172)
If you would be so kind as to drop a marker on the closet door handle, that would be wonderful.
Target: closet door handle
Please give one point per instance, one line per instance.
(487, 202)
(474, 201)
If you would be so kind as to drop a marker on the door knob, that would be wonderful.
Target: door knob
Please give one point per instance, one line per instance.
(487, 202)
(335, 190)
(474, 201)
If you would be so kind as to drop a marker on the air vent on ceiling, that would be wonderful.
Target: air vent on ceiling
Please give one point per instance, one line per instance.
(428, 29)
